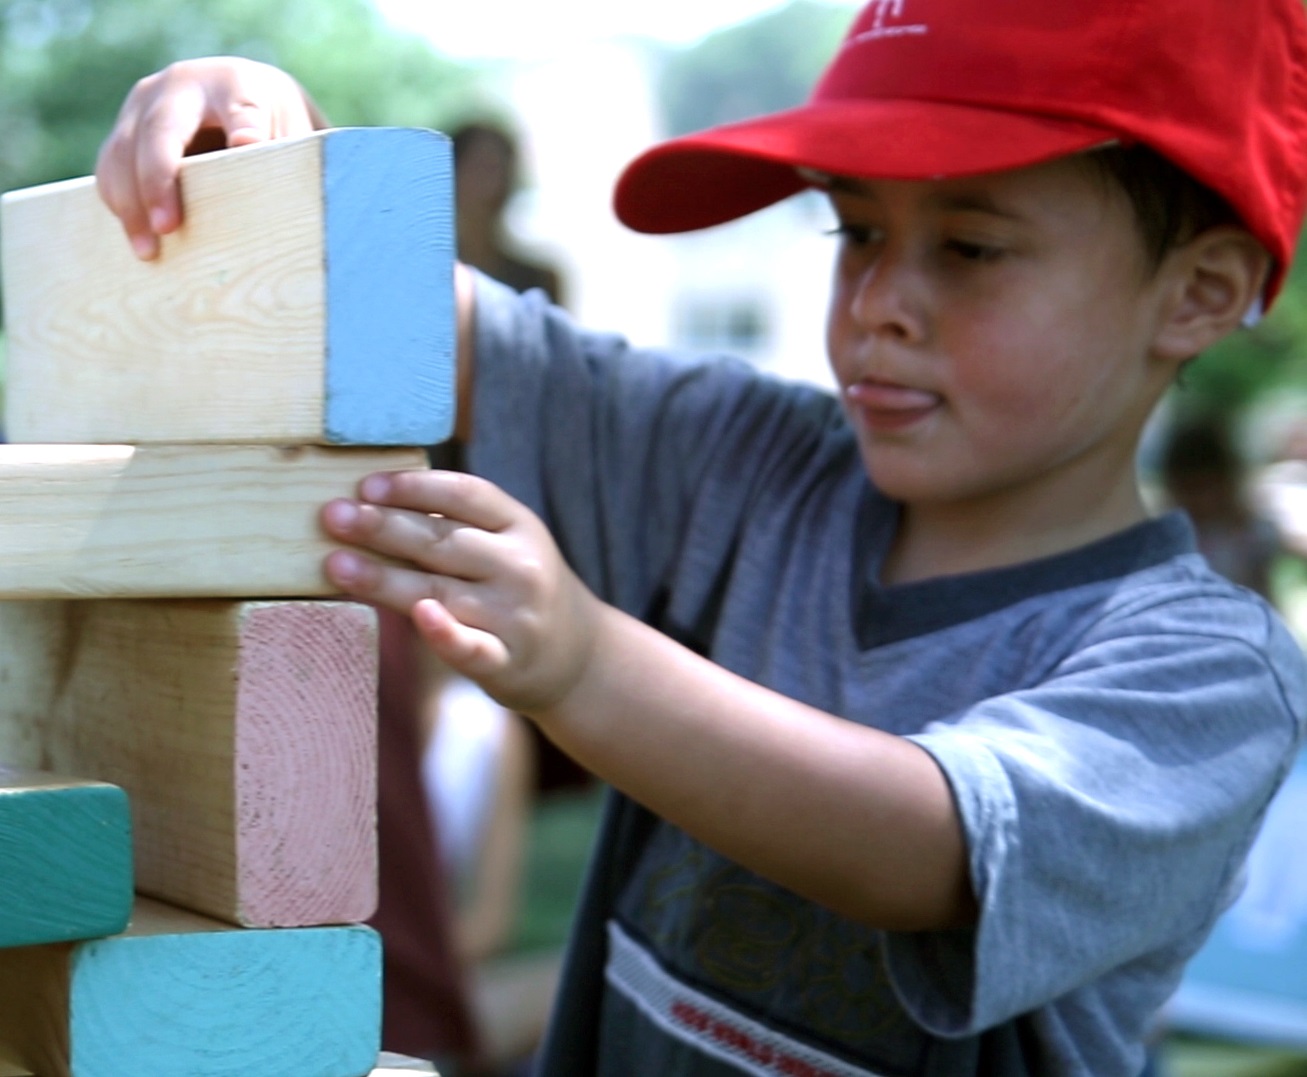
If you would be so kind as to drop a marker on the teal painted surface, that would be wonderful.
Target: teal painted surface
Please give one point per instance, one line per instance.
(389, 213)
(65, 862)
(242, 1003)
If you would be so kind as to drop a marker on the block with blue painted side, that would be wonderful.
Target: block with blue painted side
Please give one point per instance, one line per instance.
(307, 299)
(388, 212)
(65, 858)
(179, 994)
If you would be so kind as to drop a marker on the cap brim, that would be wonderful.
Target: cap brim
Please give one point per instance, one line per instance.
(726, 172)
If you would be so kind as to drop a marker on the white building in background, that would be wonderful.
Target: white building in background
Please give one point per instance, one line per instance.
(755, 288)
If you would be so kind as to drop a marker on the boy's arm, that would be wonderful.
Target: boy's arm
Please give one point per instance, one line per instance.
(205, 104)
(853, 818)
(856, 819)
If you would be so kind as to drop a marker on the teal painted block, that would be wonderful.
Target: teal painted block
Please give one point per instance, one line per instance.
(389, 236)
(303, 1001)
(65, 859)
(181, 994)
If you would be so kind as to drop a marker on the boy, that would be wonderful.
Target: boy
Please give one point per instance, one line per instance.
(980, 747)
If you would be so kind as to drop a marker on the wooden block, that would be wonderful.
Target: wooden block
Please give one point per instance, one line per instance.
(179, 994)
(308, 298)
(87, 521)
(243, 732)
(393, 1065)
(10, 1068)
(65, 858)
(388, 1065)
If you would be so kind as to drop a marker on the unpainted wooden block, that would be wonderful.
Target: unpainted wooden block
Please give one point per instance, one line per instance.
(180, 994)
(10, 1068)
(244, 734)
(393, 1065)
(308, 298)
(65, 858)
(102, 521)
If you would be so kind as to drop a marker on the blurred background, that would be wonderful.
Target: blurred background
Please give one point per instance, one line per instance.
(572, 90)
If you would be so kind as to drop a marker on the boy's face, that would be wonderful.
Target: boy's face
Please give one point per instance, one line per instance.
(992, 337)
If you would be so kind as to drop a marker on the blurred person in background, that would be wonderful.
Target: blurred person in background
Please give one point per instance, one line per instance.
(486, 176)
(1204, 474)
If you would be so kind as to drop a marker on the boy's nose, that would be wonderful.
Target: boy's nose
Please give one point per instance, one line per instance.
(887, 298)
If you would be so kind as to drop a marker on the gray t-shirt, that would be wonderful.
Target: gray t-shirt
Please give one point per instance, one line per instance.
(1113, 722)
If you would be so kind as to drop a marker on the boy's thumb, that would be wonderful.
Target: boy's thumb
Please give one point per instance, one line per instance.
(247, 124)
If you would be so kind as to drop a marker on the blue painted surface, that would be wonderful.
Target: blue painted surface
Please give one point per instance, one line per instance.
(65, 862)
(389, 213)
(1250, 979)
(241, 1003)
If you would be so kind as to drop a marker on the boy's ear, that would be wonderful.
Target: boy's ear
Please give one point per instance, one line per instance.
(1212, 282)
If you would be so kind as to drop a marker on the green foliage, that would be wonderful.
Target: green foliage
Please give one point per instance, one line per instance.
(66, 66)
(766, 64)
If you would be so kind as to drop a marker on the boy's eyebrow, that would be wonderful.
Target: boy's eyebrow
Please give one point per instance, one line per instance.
(957, 201)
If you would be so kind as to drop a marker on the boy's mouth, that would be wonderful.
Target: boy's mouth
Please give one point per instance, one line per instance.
(885, 406)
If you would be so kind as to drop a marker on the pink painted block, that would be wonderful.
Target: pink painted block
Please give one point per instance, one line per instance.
(244, 734)
(306, 765)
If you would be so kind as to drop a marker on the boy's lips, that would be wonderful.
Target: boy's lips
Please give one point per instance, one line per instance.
(887, 406)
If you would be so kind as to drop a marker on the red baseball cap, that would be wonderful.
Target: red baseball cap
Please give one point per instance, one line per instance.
(923, 89)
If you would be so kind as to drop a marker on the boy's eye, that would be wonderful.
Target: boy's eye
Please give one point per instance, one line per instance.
(973, 252)
(858, 235)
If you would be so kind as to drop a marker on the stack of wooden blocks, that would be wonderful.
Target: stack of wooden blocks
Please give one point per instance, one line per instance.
(187, 715)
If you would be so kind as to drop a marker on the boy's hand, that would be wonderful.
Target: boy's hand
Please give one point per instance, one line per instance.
(485, 584)
(189, 107)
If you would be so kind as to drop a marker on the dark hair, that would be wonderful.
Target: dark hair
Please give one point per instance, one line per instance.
(479, 130)
(1170, 205)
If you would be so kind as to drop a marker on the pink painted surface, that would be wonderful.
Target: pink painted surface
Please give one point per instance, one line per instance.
(306, 764)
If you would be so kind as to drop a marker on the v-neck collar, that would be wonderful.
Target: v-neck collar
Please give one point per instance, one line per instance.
(903, 611)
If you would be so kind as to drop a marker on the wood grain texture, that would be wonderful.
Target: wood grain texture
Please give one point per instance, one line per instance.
(393, 1065)
(87, 521)
(65, 858)
(180, 994)
(244, 734)
(308, 298)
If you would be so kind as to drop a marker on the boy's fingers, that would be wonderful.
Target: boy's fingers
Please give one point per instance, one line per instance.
(187, 107)
(363, 577)
(116, 183)
(400, 589)
(453, 494)
(470, 651)
(164, 133)
(445, 546)
(245, 123)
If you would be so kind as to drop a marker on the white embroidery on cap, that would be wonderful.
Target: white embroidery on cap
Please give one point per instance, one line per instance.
(888, 9)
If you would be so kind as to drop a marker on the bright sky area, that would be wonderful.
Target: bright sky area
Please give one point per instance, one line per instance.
(523, 29)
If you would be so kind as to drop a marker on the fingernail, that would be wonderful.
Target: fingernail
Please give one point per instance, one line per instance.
(342, 514)
(159, 220)
(144, 247)
(344, 566)
(375, 487)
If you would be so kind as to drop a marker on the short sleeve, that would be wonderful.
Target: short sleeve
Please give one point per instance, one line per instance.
(1109, 808)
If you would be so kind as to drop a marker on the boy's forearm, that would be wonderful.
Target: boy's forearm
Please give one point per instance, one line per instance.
(856, 819)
